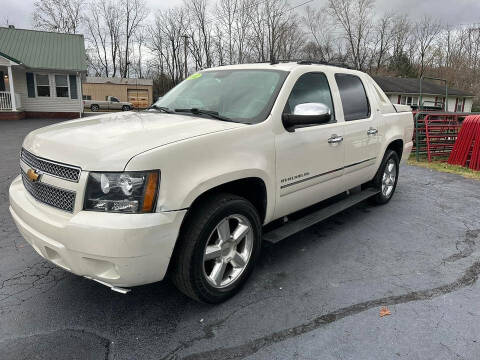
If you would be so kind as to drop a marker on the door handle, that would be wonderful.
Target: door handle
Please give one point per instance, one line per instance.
(372, 131)
(334, 139)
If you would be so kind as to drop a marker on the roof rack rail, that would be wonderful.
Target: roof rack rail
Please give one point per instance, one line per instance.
(304, 62)
(320, 62)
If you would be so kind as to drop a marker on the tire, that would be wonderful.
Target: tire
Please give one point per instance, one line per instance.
(125, 108)
(94, 107)
(192, 272)
(389, 167)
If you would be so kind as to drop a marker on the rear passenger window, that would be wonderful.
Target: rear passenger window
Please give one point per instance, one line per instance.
(310, 88)
(354, 98)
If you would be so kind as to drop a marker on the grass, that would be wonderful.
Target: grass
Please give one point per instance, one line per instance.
(442, 166)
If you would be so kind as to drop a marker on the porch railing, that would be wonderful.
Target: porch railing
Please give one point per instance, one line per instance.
(6, 101)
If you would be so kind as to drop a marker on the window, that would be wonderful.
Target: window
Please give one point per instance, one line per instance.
(354, 98)
(459, 105)
(43, 85)
(87, 97)
(242, 95)
(61, 85)
(310, 88)
(114, 99)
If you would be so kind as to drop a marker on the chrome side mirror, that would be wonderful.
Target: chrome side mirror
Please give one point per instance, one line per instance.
(307, 114)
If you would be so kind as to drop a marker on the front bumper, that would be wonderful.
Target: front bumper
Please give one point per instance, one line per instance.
(116, 249)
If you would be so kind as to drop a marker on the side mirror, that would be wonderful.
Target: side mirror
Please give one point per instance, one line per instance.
(307, 114)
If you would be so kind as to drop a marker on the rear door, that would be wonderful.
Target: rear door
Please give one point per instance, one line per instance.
(309, 164)
(361, 130)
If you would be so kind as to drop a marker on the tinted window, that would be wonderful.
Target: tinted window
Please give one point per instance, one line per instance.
(310, 88)
(354, 98)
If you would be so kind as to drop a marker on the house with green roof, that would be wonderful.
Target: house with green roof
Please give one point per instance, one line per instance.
(40, 74)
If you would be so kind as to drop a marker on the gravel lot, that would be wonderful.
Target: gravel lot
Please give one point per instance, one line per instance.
(316, 295)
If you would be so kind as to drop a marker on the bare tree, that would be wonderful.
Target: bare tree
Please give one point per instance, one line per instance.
(166, 41)
(133, 13)
(63, 16)
(197, 10)
(321, 30)
(383, 40)
(425, 32)
(227, 11)
(104, 23)
(355, 18)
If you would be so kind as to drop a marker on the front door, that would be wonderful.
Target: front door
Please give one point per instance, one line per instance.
(309, 160)
(361, 131)
(114, 104)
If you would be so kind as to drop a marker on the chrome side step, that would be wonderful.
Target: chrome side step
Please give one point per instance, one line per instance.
(294, 226)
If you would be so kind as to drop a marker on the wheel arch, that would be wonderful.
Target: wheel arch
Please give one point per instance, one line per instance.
(252, 188)
(397, 146)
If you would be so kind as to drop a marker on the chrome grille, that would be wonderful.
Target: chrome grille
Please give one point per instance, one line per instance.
(63, 171)
(51, 195)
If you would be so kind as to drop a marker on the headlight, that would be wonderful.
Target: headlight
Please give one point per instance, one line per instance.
(127, 192)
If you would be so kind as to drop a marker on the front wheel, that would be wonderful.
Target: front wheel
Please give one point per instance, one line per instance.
(217, 249)
(386, 178)
(94, 107)
(125, 108)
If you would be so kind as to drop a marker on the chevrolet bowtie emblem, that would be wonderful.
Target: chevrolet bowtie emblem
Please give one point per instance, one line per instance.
(33, 175)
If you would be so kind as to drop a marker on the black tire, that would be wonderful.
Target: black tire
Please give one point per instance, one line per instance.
(188, 271)
(125, 108)
(382, 198)
(94, 107)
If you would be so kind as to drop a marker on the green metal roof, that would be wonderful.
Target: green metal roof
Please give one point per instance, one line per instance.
(43, 50)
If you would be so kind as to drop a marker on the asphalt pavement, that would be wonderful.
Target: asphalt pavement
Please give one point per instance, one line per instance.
(316, 295)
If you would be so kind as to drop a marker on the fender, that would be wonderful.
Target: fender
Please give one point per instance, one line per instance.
(222, 179)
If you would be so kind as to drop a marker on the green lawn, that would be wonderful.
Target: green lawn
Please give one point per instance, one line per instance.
(441, 165)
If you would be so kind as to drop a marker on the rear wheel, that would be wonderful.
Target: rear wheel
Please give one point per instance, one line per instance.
(94, 107)
(218, 248)
(386, 178)
(125, 108)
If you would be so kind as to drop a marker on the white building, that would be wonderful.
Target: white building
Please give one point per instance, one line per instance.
(407, 91)
(40, 74)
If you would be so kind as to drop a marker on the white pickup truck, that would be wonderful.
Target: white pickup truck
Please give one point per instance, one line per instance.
(110, 103)
(186, 188)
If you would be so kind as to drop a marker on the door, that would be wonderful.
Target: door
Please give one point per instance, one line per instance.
(361, 137)
(138, 98)
(114, 104)
(309, 160)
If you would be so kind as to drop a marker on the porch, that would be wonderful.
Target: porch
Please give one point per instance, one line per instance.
(10, 101)
(6, 103)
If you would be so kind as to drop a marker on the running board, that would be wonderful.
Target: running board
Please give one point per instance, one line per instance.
(294, 226)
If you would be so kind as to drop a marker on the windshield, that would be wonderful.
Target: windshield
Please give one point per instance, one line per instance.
(240, 95)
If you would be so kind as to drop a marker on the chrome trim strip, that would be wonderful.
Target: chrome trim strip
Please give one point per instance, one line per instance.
(56, 163)
(325, 173)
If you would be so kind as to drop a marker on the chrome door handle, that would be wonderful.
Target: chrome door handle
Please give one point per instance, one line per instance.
(372, 131)
(334, 139)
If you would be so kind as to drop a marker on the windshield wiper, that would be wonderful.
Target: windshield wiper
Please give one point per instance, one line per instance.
(211, 113)
(160, 108)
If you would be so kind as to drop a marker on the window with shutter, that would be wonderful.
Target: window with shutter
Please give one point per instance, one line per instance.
(30, 85)
(73, 86)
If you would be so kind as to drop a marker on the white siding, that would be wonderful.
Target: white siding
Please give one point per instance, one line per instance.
(46, 104)
(429, 100)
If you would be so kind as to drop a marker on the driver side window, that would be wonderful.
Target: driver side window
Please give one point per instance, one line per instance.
(310, 88)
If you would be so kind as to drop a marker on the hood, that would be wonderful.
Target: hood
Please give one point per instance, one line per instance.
(108, 142)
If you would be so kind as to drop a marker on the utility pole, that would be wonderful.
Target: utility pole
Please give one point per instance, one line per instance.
(185, 39)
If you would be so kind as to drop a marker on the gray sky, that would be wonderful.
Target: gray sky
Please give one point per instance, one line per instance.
(452, 12)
